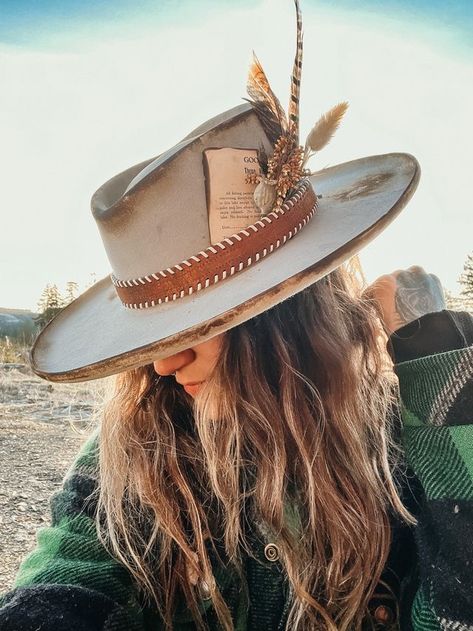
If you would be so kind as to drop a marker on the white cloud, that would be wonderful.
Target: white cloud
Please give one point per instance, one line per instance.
(69, 121)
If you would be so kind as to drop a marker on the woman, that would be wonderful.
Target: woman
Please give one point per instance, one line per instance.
(301, 395)
(248, 470)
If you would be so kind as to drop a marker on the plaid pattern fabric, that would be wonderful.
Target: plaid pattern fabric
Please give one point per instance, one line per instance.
(437, 411)
(70, 582)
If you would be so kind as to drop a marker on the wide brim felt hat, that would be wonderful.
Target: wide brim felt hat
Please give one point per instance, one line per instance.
(154, 222)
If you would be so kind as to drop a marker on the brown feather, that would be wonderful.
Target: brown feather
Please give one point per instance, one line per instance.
(267, 119)
(293, 110)
(263, 160)
(263, 98)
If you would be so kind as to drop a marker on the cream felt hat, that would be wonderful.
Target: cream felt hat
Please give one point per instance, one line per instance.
(219, 228)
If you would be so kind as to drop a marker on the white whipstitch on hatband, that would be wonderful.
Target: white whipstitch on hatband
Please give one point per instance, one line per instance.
(213, 249)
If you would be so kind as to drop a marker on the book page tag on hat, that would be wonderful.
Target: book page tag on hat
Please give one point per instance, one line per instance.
(230, 181)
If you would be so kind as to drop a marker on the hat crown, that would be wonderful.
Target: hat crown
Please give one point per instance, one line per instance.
(155, 214)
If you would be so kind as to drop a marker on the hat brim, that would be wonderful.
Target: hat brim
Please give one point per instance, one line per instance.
(96, 336)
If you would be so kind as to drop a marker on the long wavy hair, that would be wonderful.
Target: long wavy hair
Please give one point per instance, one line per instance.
(296, 413)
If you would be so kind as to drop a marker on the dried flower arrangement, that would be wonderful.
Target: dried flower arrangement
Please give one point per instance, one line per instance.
(287, 165)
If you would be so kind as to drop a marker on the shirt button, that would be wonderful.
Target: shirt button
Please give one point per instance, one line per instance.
(384, 615)
(271, 552)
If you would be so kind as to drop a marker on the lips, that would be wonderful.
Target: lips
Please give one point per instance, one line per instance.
(193, 388)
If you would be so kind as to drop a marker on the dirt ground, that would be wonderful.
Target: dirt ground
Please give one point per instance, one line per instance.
(42, 426)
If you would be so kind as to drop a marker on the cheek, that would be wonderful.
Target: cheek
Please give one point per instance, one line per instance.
(210, 350)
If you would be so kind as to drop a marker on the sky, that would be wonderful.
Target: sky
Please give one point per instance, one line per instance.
(90, 88)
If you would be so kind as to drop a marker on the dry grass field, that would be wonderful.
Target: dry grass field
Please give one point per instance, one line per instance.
(42, 426)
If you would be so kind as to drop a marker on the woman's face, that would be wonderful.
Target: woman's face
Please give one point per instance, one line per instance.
(193, 365)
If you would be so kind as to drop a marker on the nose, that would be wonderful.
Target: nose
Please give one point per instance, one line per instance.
(173, 363)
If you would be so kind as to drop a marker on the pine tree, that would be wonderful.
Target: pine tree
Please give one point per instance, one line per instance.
(71, 291)
(466, 279)
(454, 302)
(50, 304)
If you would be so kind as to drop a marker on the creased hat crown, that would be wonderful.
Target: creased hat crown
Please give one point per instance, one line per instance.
(154, 214)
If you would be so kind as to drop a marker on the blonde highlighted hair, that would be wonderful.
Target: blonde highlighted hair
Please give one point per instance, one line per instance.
(297, 412)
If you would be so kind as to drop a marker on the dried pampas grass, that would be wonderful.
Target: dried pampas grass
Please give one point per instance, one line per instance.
(323, 130)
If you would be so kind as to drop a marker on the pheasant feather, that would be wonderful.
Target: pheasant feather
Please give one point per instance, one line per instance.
(286, 166)
(293, 110)
(323, 130)
(265, 102)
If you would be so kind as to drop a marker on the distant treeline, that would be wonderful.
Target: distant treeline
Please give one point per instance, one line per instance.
(20, 326)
